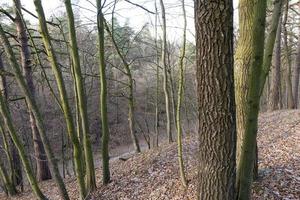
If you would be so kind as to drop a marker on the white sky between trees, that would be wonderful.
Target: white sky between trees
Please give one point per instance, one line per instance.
(136, 17)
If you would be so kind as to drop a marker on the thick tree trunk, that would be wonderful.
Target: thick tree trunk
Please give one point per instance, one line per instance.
(103, 96)
(165, 72)
(243, 58)
(42, 168)
(217, 125)
(276, 82)
(252, 16)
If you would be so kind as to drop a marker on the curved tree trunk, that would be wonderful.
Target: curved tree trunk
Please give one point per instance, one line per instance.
(217, 130)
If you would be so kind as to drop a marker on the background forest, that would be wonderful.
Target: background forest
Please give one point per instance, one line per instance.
(95, 103)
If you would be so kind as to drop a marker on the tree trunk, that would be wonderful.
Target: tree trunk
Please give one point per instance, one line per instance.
(157, 81)
(296, 74)
(290, 98)
(13, 156)
(88, 154)
(275, 85)
(165, 71)
(217, 129)
(103, 96)
(243, 56)
(249, 59)
(42, 168)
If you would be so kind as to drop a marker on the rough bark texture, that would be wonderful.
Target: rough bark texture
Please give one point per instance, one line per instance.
(275, 84)
(217, 129)
(42, 168)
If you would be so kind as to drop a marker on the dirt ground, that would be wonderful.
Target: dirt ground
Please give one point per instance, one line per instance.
(153, 174)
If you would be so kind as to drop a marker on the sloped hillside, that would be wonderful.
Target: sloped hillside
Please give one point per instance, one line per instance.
(154, 174)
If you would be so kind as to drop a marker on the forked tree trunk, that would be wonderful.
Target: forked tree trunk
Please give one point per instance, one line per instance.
(296, 74)
(217, 129)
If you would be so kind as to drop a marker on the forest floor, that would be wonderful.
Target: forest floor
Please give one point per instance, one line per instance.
(153, 174)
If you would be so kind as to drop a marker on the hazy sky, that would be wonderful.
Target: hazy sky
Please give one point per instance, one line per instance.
(137, 17)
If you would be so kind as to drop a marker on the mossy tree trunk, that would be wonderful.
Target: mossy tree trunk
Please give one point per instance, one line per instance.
(42, 168)
(39, 122)
(103, 95)
(217, 125)
(88, 154)
(253, 23)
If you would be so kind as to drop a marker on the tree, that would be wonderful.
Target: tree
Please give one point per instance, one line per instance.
(165, 70)
(288, 81)
(275, 84)
(103, 95)
(42, 168)
(249, 68)
(217, 130)
(89, 161)
(180, 98)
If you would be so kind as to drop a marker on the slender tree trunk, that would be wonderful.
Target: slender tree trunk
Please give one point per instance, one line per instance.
(275, 85)
(256, 28)
(39, 122)
(88, 154)
(165, 71)
(180, 99)
(157, 81)
(290, 98)
(296, 74)
(12, 154)
(130, 97)
(42, 168)
(217, 129)
(103, 96)
(11, 189)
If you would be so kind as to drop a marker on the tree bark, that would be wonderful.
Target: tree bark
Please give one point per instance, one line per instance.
(249, 58)
(217, 124)
(275, 84)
